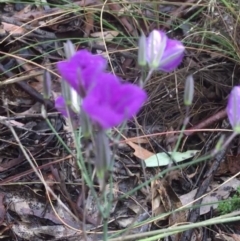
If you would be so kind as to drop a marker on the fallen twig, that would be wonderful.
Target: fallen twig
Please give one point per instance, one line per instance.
(205, 123)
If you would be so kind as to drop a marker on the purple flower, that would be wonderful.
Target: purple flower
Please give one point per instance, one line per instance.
(163, 53)
(81, 70)
(233, 108)
(106, 100)
(111, 102)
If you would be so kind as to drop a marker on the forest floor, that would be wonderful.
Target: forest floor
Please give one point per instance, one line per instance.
(146, 196)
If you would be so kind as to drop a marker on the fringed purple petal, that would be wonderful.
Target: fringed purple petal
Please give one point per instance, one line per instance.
(173, 55)
(111, 102)
(81, 70)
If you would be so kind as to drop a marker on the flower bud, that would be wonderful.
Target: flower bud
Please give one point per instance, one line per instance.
(233, 109)
(163, 53)
(156, 46)
(142, 54)
(103, 155)
(69, 49)
(43, 111)
(86, 126)
(188, 91)
(66, 92)
(71, 96)
(47, 85)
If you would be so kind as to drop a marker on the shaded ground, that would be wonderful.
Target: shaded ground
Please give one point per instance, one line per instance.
(32, 38)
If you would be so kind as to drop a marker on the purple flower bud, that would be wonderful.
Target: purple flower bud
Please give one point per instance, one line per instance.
(233, 109)
(163, 53)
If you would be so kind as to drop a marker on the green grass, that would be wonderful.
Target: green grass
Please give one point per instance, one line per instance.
(231, 204)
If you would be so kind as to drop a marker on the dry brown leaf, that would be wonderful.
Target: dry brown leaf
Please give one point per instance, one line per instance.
(50, 180)
(236, 237)
(89, 23)
(171, 202)
(26, 9)
(174, 175)
(233, 164)
(140, 152)
(108, 36)
(140, 140)
(116, 7)
(157, 207)
(31, 70)
(27, 14)
(13, 29)
(164, 199)
(36, 108)
(223, 168)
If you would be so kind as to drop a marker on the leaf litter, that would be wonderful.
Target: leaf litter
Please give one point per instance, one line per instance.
(31, 42)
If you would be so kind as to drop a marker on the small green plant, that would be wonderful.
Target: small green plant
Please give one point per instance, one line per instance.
(231, 204)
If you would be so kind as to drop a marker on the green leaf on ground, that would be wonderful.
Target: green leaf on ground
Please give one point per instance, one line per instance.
(162, 159)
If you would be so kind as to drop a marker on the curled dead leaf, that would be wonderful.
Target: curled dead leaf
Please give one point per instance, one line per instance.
(140, 152)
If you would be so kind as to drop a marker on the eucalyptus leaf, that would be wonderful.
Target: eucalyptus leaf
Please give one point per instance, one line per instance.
(162, 159)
